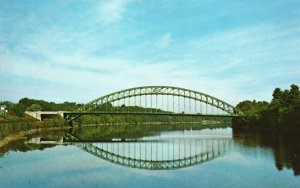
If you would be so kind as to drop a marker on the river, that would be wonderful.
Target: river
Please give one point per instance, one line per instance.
(151, 156)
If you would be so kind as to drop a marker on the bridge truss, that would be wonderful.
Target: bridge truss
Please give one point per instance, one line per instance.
(157, 100)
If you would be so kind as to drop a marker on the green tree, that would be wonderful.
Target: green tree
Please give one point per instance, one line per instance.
(34, 107)
(277, 94)
(282, 113)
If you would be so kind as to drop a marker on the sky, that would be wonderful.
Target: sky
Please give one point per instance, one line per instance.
(81, 50)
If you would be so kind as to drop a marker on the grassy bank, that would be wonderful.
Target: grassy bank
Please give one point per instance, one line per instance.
(10, 124)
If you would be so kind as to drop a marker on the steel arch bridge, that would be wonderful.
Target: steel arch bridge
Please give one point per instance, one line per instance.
(157, 100)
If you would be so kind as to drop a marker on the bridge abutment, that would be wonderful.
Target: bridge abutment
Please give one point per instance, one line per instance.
(39, 114)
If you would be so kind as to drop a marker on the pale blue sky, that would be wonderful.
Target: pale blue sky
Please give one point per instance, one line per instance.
(81, 50)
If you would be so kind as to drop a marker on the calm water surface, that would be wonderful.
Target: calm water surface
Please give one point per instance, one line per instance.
(162, 158)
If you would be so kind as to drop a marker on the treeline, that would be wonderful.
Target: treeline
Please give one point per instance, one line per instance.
(144, 119)
(26, 104)
(115, 119)
(283, 112)
(16, 113)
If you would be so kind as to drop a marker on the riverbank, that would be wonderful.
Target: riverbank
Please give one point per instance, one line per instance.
(10, 127)
(248, 125)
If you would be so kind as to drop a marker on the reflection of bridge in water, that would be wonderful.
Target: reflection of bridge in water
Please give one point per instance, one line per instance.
(159, 154)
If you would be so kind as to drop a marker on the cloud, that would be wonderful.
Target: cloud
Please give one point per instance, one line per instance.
(261, 47)
(223, 64)
(165, 40)
(112, 10)
(95, 60)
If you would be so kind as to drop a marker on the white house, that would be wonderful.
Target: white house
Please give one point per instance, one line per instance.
(2, 109)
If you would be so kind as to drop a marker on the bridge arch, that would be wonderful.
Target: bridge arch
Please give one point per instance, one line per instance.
(135, 92)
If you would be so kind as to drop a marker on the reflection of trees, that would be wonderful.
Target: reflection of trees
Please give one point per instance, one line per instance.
(129, 131)
(285, 146)
(19, 145)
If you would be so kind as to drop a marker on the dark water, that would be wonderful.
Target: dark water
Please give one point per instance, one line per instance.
(152, 157)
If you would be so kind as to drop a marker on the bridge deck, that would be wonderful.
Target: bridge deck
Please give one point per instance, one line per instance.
(147, 113)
